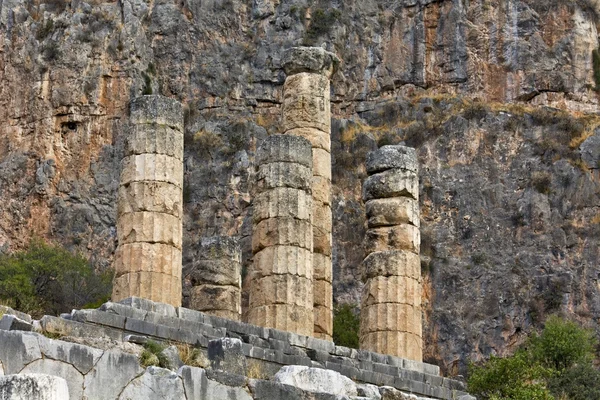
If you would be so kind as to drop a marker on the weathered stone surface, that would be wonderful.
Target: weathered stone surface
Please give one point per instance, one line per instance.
(83, 358)
(285, 148)
(310, 59)
(14, 323)
(282, 231)
(322, 267)
(393, 317)
(267, 390)
(321, 190)
(317, 138)
(147, 257)
(154, 139)
(316, 380)
(171, 354)
(392, 263)
(282, 289)
(282, 202)
(390, 393)
(156, 109)
(1, 369)
(195, 382)
(284, 317)
(18, 349)
(280, 260)
(323, 293)
(150, 196)
(391, 289)
(321, 163)
(322, 216)
(322, 240)
(225, 354)
(392, 157)
(216, 272)
(392, 211)
(64, 327)
(155, 384)
(165, 288)
(21, 315)
(590, 151)
(149, 227)
(369, 391)
(151, 167)
(150, 306)
(391, 183)
(400, 344)
(99, 384)
(323, 322)
(283, 175)
(306, 102)
(219, 248)
(61, 369)
(207, 298)
(33, 386)
(398, 237)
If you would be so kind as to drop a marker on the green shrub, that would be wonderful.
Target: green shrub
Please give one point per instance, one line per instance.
(152, 355)
(596, 67)
(320, 24)
(581, 382)
(345, 326)
(47, 279)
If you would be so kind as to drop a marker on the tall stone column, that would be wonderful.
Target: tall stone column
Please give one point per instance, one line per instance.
(149, 205)
(216, 278)
(390, 317)
(281, 289)
(306, 113)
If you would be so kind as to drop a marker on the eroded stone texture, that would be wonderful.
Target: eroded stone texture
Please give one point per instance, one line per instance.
(390, 320)
(150, 203)
(215, 277)
(281, 292)
(33, 386)
(306, 113)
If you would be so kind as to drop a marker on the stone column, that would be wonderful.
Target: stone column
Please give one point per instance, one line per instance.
(281, 289)
(306, 113)
(216, 278)
(390, 317)
(149, 205)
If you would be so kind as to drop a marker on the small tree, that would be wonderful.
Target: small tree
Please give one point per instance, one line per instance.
(345, 326)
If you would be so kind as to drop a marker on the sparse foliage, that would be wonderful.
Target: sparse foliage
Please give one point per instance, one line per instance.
(345, 326)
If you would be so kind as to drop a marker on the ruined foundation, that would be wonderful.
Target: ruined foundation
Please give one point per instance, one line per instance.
(149, 209)
(306, 113)
(215, 277)
(281, 289)
(390, 320)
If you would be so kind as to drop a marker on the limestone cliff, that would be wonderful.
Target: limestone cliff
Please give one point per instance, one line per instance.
(510, 193)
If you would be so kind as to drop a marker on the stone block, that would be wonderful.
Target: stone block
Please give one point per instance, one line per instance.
(320, 344)
(310, 59)
(150, 196)
(63, 327)
(151, 167)
(322, 240)
(391, 183)
(322, 217)
(216, 272)
(99, 317)
(282, 260)
(33, 386)
(399, 344)
(18, 349)
(323, 323)
(149, 227)
(282, 231)
(321, 190)
(151, 285)
(220, 248)
(306, 102)
(398, 237)
(225, 354)
(316, 380)
(61, 369)
(391, 289)
(283, 175)
(392, 263)
(282, 202)
(148, 257)
(317, 138)
(21, 315)
(191, 315)
(392, 157)
(157, 109)
(284, 317)
(392, 211)
(282, 289)
(323, 294)
(390, 317)
(321, 163)
(154, 139)
(150, 306)
(322, 268)
(13, 323)
(156, 383)
(285, 148)
(111, 374)
(207, 298)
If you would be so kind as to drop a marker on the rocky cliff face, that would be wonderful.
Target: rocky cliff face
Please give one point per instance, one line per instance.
(510, 192)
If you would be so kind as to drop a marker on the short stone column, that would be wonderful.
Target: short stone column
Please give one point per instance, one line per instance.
(306, 113)
(281, 288)
(149, 204)
(215, 277)
(390, 318)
